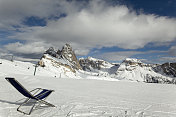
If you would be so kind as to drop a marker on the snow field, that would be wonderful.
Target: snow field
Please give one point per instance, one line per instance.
(95, 98)
(85, 97)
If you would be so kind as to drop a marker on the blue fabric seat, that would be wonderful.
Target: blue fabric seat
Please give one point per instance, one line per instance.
(38, 95)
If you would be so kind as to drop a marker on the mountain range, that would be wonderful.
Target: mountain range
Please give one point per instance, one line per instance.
(65, 62)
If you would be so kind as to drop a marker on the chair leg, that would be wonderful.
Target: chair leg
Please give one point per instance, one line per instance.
(46, 103)
(22, 105)
(25, 102)
(40, 101)
(31, 109)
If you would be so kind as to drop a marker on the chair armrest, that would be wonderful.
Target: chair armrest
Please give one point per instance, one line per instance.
(38, 89)
(35, 89)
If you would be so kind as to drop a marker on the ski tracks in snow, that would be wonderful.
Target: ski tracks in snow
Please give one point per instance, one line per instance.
(76, 109)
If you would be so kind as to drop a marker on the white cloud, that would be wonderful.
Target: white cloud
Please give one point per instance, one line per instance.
(29, 48)
(100, 25)
(117, 56)
(94, 26)
(167, 59)
(26, 59)
(121, 55)
(172, 51)
(81, 52)
(13, 12)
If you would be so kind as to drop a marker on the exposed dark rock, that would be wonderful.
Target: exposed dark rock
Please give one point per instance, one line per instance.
(86, 64)
(150, 73)
(152, 79)
(66, 54)
(69, 55)
(136, 62)
(95, 65)
(51, 52)
(167, 68)
(59, 52)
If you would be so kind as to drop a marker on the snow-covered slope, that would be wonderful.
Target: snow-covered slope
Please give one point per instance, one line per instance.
(85, 97)
(135, 70)
(64, 63)
(61, 62)
(16, 67)
(130, 69)
(25, 68)
(66, 56)
(57, 66)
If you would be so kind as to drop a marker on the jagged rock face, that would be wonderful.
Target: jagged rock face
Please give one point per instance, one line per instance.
(97, 65)
(135, 62)
(51, 52)
(66, 54)
(69, 54)
(133, 69)
(167, 69)
(54, 62)
(88, 63)
(130, 65)
(151, 79)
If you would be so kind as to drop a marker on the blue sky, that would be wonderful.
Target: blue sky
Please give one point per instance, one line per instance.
(111, 30)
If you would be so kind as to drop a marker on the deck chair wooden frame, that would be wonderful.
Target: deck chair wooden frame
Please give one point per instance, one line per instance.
(38, 94)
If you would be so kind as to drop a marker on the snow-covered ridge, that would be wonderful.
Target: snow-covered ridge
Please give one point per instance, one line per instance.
(98, 66)
(96, 63)
(64, 63)
(130, 69)
(135, 70)
(86, 98)
(133, 60)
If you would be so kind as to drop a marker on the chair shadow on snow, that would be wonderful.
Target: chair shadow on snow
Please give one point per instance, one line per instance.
(27, 105)
(9, 102)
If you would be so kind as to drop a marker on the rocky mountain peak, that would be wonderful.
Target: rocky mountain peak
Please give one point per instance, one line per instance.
(132, 61)
(135, 62)
(51, 52)
(69, 54)
(92, 64)
(66, 54)
(167, 69)
(89, 63)
(131, 68)
(67, 47)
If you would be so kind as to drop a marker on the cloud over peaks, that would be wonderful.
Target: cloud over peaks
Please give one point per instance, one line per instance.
(96, 25)
(100, 25)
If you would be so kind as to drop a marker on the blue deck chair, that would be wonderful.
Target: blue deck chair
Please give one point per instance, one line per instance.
(38, 94)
